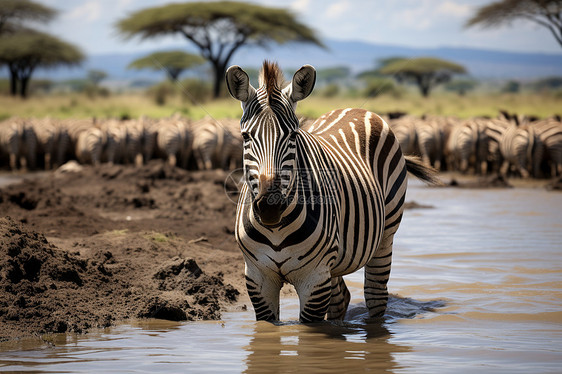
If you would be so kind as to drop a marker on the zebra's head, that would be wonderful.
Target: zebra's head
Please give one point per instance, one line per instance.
(270, 129)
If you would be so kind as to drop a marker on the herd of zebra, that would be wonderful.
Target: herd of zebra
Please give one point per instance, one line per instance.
(47, 143)
(505, 145)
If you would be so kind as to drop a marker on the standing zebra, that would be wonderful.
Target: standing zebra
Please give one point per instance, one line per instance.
(522, 150)
(550, 134)
(404, 128)
(430, 141)
(494, 129)
(316, 204)
(19, 141)
(174, 140)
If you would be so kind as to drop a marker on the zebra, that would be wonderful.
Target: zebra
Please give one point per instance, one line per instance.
(19, 140)
(550, 134)
(46, 133)
(114, 140)
(140, 141)
(494, 129)
(89, 146)
(216, 144)
(315, 205)
(467, 147)
(70, 132)
(174, 139)
(404, 128)
(522, 150)
(430, 141)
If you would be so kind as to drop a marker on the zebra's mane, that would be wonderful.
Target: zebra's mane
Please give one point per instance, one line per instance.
(271, 77)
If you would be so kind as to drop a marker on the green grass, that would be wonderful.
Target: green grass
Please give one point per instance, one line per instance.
(118, 232)
(159, 237)
(135, 105)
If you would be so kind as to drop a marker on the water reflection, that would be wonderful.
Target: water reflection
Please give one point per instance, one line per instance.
(323, 347)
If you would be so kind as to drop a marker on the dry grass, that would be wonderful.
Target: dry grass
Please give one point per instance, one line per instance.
(135, 105)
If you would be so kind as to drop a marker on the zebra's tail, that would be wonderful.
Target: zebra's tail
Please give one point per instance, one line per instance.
(416, 167)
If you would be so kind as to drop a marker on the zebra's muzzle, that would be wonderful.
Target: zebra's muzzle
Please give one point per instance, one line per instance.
(270, 203)
(269, 207)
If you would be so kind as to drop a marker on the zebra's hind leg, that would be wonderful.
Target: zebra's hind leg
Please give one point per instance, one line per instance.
(339, 300)
(377, 272)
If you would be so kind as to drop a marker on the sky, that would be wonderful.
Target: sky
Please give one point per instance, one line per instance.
(412, 23)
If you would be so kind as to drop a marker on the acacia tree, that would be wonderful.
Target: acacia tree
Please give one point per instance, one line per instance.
(25, 50)
(547, 13)
(218, 29)
(173, 62)
(425, 72)
(14, 12)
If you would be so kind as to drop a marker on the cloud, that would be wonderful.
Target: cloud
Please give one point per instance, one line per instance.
(454, 9)
(300, 5)
(89, 11)
(336, 9)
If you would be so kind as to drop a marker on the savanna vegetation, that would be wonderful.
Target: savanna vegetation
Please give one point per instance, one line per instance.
(192, 83)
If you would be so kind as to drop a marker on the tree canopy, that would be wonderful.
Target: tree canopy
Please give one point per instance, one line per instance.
(27, 49)
(426, 72)
(13, 12)
(172, 62)
(547, 13)
(218, 29)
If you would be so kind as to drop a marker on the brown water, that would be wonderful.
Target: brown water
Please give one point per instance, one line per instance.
(479, 285)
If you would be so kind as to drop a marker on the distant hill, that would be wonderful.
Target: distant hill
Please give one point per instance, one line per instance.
(359, 56)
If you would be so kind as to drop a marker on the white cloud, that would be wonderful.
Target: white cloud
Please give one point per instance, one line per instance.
(300, 5)
(451, 8)
(414, 18)
(89, 11)
(336, 9)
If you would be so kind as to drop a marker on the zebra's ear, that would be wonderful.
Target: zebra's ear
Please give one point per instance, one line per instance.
(238, 84)
(303, 83)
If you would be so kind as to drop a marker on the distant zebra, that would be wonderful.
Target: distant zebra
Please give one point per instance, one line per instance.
(70, 130)
(140, 141)
(467, 147)
(550, 135)
(430, 139)
(46, 134)
(217, 144)
(315, 205)
(174, 140)
(114, 141)
(404, 128)
(89, 146)
(522, 150)
(19, 141)
(494, 129)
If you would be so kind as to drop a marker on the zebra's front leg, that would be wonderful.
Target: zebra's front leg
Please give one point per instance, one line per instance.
(314, 296)
(339, 299)
(263, 288)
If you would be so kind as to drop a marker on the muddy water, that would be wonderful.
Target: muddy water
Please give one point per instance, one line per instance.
(478, 285)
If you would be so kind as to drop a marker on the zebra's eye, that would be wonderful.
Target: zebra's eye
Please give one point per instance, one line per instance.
(246, 136)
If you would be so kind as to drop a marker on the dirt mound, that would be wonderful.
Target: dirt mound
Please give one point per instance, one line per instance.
(493, 181)
(44, 289)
